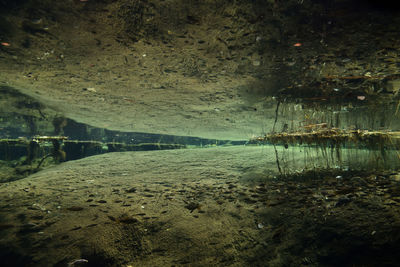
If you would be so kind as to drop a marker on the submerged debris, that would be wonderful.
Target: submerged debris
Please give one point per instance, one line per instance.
(365, 138)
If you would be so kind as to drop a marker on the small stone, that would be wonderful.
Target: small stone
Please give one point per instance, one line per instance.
(192, 206)
(131, 190)
(90, 89)
(342, 201)
(75, 208)
(127, 219)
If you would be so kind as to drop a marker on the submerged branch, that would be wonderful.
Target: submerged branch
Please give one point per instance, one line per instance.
(276, 115)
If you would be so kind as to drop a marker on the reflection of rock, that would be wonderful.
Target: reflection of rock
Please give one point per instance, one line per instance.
(33, 151)
(58, 154)
(59, 123)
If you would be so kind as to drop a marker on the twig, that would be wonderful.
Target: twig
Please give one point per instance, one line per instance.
(41, 161)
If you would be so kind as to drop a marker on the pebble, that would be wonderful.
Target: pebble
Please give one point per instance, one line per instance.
(75, 208)
(342, 201)
(131, 190)
(90, 89)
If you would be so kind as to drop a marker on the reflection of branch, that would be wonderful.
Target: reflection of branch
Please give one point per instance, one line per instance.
(334, 136)
(277, 161)
(276, 115)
